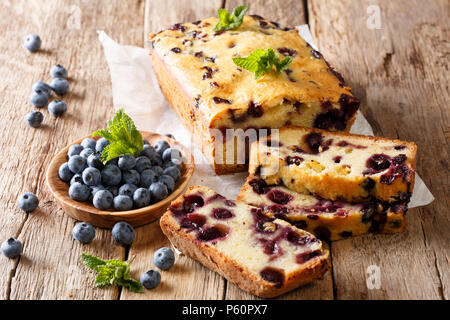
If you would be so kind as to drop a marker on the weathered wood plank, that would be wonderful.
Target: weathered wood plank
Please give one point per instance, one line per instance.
(187, 279)
(400, 73)
(50, 267)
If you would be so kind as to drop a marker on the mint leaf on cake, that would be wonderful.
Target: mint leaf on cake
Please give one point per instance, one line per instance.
(231, 21)
(262, 61)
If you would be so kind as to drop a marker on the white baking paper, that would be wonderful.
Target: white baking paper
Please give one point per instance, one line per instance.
(135, 88)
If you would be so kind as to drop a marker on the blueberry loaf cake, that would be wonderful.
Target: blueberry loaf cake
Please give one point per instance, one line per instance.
(262, 255)
(326, 219)
(336, 165)
(210, 94)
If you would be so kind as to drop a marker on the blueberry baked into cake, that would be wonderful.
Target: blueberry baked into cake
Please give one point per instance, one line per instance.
(196, 69)
(262, 255)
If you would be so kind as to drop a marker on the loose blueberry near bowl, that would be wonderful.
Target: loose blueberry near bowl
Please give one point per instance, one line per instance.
(57, 108)
(123, 233)
(28, 202)
(32, 42)
(83, 232)
(39, 99)
(164, 258)
(150, 279)
(12, 248)
(34, 118)
(60, 86)
(42, 87)
(58, 71)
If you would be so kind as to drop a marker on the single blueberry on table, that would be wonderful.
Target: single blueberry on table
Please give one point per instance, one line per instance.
(79, 192)
(127, 162)
(76, 178)
(111, 175)
(123, 233)
(173, 172)
(34, 119)
(74, 150)
(168, 181)
(127, 190)
(95, 160)
(123, 203)
(103, 199)
(148, 151)
(27, 201)
(101, 144)
(164, 258)
(58, 71)
(131, 176)
(77, 163)
(142, 163)
(89, 143)
(148, 177)
(57, 108)
(12, 248)
(141, 198)
(64, 172)
(91, 176)
(83, 232)
(38, 99)
(32, 42)
(160, 146)
(150, 279)
(42, 87)
(172, 154)
(157, 170)
(60, 86)
(86, 152)
(159, 191)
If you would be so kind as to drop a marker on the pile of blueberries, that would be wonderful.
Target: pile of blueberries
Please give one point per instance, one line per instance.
(41, 91)
(125, 182)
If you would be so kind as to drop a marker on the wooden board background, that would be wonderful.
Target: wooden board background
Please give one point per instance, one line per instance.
(399, 70)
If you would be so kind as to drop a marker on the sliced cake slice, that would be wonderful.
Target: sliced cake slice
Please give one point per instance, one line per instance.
(262, 255)
(336, 165)
(326, 219)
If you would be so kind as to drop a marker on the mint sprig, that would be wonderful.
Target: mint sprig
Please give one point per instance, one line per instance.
(262, 61)
(231, 21)
(122, 135)
(110, 272)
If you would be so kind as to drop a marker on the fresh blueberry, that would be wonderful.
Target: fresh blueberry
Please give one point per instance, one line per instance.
(58, 71)
(142, 163)
(34, 119)
(172, 164)
(157, 160)
(38, 99)
(89, 143)
(57, 108)
(103, 199)
(32, 42)
(173, 172)
(86, 152)
(123, 233)
(168, 181)
(12, 248)
(159, 191)
(91, 176)
(150, 279)
(77, 163)
(114, 190)
(123, 203)
(95, 160)
(170, 136)
(27, 202)
(127, 162)
(127, 190)
(64, 172)
(74, 150)
(148, 177)
(101, 144)
(160, 146)
(164, 258)
(42, 87)
(83, 232)
(76, 178)
(111, 175)
(157, 170)
(60, 86)
(141, 198)
(131, 176)
(172, 154)
(95, 189)
(148, 151)
(79, 192)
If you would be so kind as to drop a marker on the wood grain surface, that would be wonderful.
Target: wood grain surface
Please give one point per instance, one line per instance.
(399, 70)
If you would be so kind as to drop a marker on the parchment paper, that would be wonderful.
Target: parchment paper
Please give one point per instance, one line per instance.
(135, 88)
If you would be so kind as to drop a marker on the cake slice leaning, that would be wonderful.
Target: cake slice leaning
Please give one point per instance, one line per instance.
(336, 165)
(328, 220)
(264, 256)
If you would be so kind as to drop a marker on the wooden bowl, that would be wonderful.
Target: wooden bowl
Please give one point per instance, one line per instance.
(85, 211)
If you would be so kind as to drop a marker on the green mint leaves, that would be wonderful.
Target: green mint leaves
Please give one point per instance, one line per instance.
(110, 272)
(122, 135)
(231, 21)
(260, 61)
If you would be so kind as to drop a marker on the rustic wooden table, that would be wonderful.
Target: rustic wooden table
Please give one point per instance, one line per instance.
(397, 62)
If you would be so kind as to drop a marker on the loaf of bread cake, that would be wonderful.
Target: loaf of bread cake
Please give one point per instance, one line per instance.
(326, 219)
(336, 165)
(214, 98)
(264, 256)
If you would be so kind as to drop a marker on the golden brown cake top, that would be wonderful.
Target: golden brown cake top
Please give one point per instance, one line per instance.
(201, 59)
